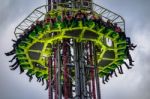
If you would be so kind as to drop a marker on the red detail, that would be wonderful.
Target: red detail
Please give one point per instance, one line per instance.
(65, 70)
(49, 77)
(92, 71)
(55, 75)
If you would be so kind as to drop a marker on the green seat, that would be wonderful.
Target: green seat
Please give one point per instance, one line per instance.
(122, 56)
(19, 50)
(119, 62)
(46, 26)
(28, 40)
(120, 40)
(38, 29)
(121, 51)
(112, 34)
(101, 30)
(102, 74)
(121, 45)
(58, 25)
(23, 60)
(32, 34)
(31, 71)
(74, 24)
(90, 24)
(107, 70)
(25, 66)
(38, 74)
(113, 66)
(45, 76)
(23, 45)
(20, 56)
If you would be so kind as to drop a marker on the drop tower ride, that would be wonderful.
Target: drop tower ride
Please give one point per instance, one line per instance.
(70, 45)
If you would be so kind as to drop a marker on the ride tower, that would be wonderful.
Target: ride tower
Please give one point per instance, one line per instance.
(70, 45)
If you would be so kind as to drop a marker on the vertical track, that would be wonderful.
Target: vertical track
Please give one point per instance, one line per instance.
(65, 69)
(92, 70)
(50, 93)
(49, 65)
(55, 74)
(59, 72)
(96, 74)
(77, 71)
(70, 69)
(83, 70)
(81, 65)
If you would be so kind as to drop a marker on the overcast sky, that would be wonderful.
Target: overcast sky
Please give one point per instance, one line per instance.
(133, 84)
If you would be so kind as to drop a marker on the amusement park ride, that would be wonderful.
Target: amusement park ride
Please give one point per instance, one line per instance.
(70, 45)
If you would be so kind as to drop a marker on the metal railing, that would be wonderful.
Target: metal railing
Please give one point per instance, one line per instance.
(40, 12)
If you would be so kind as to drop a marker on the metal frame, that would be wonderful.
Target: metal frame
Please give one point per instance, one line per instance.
(40, 12)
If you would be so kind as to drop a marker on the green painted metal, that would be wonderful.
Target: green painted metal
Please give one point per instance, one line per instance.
(108, 57)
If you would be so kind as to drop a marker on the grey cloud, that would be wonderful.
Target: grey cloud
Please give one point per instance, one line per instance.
(13, 85)
(134, 84)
